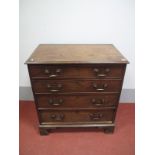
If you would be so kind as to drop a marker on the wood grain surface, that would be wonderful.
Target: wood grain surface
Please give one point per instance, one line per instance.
(75, 54)
(76, 85)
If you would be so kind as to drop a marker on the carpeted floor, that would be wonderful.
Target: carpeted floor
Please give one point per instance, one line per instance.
(77, 141)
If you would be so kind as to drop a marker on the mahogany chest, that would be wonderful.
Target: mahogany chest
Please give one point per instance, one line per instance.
(76, 85)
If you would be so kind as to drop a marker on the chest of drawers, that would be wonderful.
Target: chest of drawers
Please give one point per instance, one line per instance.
(76, 85)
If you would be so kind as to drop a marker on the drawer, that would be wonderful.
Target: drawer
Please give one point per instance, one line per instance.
(66, 116)
(77, 101)
(60, 86)
(76, 71)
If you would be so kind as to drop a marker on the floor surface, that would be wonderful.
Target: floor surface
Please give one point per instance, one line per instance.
(77, 141)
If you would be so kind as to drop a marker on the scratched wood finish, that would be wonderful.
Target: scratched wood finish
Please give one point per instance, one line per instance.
(75, 54)
(76, 101)
(56, 86)
(76, 71)
(73, 116)
(76, 85)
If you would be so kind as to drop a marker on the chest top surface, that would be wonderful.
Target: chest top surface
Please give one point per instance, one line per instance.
(76, 54)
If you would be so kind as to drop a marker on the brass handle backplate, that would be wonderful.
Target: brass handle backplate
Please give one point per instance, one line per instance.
(53, 73)
(104, 72)
(98, 102)
(100, 87)
(54, 87)
(96, 116)
(57, 117)
(55, 102)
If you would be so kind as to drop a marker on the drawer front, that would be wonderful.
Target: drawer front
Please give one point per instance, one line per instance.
(66, 116)
(78, 101)
(55, 86)
(78, 71)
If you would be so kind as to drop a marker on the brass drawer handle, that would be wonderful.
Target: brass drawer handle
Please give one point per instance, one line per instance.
(56, 88)
(102, 88)
(57, 117)
(96, 116)
(55, 102)
(46, 71)
(107, 70)
(55, 74)
(99, 74)
(98, 102)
